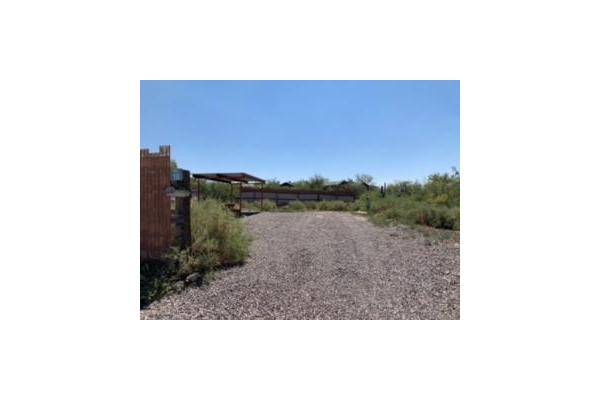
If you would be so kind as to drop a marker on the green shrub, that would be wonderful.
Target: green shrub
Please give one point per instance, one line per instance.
(455, 215)
(324, 205)
(311, 205)
(438, 189)
(268, 205)
(321, 206)
(336, 205)
(249, 205)
(296, 206)
(353, 206)
(218, 239)
(409, 211)
(214, 190)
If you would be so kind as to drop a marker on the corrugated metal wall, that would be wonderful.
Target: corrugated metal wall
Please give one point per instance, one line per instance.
(155, 210)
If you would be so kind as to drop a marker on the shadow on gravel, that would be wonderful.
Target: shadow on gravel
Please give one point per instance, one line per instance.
(159, 277)
(229, 266)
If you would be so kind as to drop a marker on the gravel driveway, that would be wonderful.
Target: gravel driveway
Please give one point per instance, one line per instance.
(327, 265)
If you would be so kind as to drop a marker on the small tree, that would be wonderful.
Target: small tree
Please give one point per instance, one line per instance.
(317, 182)
(272, 183)
(364, 178)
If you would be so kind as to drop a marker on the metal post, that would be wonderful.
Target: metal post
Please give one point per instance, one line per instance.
(261, 196)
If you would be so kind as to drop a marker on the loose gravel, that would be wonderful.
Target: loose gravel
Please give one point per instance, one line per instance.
(327, 265)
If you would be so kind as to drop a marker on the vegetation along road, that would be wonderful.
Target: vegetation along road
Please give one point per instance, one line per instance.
(327, 265)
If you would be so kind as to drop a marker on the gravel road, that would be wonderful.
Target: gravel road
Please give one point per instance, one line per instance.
(327, 265)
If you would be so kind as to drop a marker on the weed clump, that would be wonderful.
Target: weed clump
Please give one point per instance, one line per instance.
(394, 209)
(333, 206)
(296, 206)
(218, 239)
(268, 205)
(311, 205)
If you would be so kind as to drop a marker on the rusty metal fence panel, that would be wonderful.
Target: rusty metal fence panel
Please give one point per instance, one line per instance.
(155, 210)
(284, 196)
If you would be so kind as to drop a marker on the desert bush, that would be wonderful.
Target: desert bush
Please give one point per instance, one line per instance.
(214, 190)
(218, 239)
(296, 206)
(407, 210)
(434, 202)
(333, 206)
(455, 216)
(250, 205)
(438, 189)
(311, 205)
(217, 236)
(353, 206)
(268, 205)
(321, 206)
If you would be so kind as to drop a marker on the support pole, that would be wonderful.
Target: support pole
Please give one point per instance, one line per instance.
(261, 196)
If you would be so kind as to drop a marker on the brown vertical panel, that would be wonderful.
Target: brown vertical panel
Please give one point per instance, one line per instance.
(155, 224)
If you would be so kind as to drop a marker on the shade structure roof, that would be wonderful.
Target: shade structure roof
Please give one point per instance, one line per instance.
(229, 177)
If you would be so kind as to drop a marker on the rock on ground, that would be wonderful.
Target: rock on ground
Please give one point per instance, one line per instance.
(327, 265)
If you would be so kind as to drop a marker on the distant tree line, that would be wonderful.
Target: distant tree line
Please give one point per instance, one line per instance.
(438, 189)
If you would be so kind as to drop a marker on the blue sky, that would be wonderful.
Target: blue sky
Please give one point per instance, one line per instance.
(289, 130)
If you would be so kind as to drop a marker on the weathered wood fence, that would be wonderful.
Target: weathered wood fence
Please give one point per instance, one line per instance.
(164, 204)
